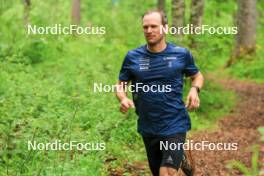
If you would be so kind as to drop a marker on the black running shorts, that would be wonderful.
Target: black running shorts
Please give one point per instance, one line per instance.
(164, 151)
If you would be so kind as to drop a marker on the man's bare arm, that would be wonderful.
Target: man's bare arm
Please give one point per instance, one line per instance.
(120, 90)
(197, 80)
(193, 100)
(121, 94)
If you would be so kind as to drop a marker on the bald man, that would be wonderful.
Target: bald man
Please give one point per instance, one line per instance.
(163, 118)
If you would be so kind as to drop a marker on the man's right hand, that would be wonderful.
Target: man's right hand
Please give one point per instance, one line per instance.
(125, 104)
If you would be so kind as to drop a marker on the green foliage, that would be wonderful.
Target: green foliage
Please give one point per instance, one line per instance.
(46, 84)
(261, 131)
(251, 67)
(255, 168)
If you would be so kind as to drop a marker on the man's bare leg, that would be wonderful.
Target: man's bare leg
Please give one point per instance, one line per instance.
(168, 171)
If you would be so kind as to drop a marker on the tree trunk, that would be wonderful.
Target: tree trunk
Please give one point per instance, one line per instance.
(246, 36)
(27, 4)
(76, 11)
(197, 10)
(178, 13)
(246, 22)
(162, 5)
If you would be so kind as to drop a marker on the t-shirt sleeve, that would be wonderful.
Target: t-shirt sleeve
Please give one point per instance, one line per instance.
(190, 67)
(125, 73)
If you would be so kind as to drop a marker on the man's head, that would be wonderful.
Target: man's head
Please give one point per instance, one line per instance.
(152, 21)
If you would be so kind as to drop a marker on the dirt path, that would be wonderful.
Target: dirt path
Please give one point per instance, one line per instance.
(240, 127)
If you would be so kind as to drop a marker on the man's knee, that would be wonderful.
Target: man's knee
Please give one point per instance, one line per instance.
(167, 171)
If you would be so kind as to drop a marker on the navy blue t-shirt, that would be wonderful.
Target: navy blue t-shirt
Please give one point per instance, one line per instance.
(161, 113)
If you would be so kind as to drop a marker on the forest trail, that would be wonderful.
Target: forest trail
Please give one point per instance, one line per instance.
(239, 126)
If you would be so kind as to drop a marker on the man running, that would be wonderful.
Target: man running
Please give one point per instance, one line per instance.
(163, 119)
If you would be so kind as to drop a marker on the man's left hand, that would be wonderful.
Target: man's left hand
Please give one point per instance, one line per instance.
(193, 101)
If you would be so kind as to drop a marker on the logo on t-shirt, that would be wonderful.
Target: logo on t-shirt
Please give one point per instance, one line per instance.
(170, 160)
(169, 58)
(144, 63)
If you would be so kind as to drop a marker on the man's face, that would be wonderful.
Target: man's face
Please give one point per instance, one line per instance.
(151, 28)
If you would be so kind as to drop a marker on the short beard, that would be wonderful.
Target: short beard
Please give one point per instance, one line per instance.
(155, 42)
